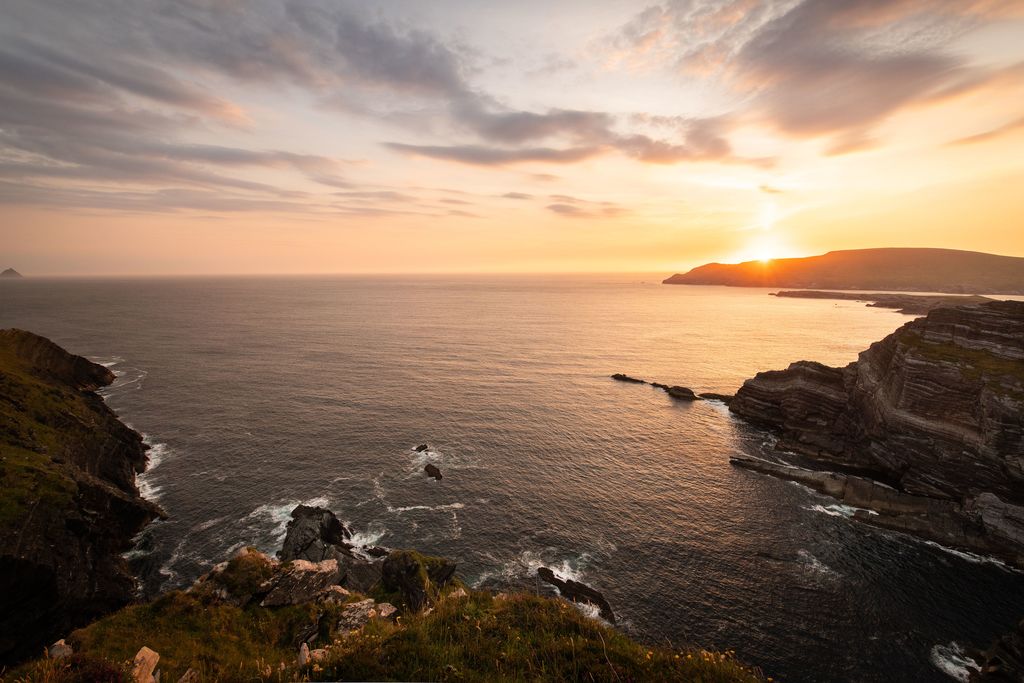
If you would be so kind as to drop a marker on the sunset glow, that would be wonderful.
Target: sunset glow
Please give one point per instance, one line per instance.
(325, 137)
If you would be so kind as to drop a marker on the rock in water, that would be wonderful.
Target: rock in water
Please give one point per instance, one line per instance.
(619, 377)
(934, 410)
(422, 447)
(578, 592)
(682, 393)
(432, 471)
(415, 577)
(314, 534)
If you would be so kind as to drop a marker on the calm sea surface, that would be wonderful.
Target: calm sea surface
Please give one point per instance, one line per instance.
(260, 393)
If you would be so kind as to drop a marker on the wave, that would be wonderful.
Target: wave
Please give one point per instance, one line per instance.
(974, 558)
(951, 660)
(815, 564)
(527, 564)
(432, 508)
(268, 524)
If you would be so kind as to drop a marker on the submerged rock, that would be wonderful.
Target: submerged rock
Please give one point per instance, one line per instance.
(422, 447)
(618, 376)
(578, 592)
(432, 470)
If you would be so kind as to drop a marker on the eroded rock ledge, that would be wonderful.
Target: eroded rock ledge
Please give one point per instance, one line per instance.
(926, 427)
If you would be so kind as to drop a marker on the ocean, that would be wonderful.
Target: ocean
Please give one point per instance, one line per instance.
(257, 394)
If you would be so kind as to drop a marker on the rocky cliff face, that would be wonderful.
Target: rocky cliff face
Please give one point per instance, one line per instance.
(935, 411)
(68, 502)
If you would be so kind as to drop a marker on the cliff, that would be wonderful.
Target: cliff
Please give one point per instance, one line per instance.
(922, 270)
(69, 506)
(925, 428)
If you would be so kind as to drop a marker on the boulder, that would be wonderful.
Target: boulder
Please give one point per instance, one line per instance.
(682, 393)
(361, 575)
(375, 551)
(143, 665)
(432, 471)
(300, 581)
(333, 595)
(422, 447)
(356, 615)
(415, 577)
(578, 592)
(59, 650)
(314, 534)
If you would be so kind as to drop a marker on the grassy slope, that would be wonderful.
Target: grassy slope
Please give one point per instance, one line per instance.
(33, 415)
(475, 637)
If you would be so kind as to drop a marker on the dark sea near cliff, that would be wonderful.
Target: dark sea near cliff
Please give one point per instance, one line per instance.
(259, 393)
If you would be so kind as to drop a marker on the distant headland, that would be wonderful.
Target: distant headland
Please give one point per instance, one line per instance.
(899, 269)
(10, 272)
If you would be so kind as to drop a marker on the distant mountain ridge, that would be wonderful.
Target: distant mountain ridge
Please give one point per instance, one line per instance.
(10, 272)
(888, 269)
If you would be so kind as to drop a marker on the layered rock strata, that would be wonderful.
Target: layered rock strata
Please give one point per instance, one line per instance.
(932, 415)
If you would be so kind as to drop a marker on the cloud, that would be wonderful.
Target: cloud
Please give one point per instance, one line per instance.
(517, 195)
(479, 155)
(997, 132)
(814, 68)
(576, 211)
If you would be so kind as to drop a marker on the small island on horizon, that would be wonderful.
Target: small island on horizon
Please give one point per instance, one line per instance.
(10, 272)
(950, 271)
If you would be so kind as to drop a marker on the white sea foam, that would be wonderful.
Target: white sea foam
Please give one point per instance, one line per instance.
(951, 660)
(970, 557)
(268, 523)
(435, 508)
(839, 510)
(815, 564)
(529, 561)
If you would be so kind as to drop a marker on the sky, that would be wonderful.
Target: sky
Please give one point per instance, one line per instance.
(316, 136)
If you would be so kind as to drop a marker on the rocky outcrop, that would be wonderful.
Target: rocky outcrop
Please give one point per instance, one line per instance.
(676, 392)
(578, 592)
(71, 507)
(908, 304)
(433, 471)
(415, 578)
(934, 411)
(314, 534)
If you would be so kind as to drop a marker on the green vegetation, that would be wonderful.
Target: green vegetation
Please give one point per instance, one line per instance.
(475, 637)
(975, 364)
(34, 423)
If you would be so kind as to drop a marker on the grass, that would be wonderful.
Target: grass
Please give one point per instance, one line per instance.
(37, 421)
(976, 365)
(476, 637)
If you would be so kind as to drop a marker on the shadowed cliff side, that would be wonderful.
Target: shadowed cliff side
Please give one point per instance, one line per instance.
(68, 502)
(934, 413)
